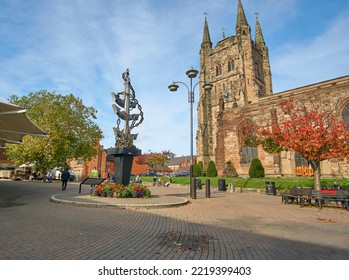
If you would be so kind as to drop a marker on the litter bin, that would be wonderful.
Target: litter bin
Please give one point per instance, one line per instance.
(270, 188)
(221, 185)
(198, 184)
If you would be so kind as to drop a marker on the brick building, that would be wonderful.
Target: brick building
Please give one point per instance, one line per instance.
(239, 69)
(82, 169)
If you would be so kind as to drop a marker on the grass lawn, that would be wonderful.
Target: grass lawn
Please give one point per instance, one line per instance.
(280, 183)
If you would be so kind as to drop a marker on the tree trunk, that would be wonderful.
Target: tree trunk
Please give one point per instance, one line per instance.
(315, 164)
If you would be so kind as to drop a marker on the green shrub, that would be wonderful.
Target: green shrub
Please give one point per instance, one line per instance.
(211, 169)
(197, 171)
(201, 164)
(229, 169)
(256, 169)
(147, 193)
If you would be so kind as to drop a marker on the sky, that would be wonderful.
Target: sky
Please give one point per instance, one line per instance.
(84, 46)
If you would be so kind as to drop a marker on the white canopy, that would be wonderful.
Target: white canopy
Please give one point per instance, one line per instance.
(14, 124)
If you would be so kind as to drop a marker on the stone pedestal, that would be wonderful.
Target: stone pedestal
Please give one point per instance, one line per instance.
(122, 158)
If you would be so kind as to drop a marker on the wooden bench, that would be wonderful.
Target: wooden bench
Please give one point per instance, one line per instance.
(320, 198)
(297, 195)
(327, 197)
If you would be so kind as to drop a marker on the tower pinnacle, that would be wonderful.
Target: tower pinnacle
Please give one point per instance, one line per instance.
(259, 35)
(241, 17)
(206, 39)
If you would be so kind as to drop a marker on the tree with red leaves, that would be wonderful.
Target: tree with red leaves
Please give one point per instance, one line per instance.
(316, 134)
(153, 159)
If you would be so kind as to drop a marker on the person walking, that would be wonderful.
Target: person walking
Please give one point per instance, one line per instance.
(65, 177)
(48, 178)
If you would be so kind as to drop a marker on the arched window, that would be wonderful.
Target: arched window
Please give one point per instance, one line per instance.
(300, 160)
(230, 65)
(258, 70)
(248, 149)
(248, 154)
(345, 115)
(218, 69)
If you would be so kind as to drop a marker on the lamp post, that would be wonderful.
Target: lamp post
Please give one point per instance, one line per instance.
(191, 73)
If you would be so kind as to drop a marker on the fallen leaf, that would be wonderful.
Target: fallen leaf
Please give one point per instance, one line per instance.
(325, 220)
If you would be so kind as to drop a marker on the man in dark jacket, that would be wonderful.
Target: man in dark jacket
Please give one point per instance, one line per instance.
(65, 177)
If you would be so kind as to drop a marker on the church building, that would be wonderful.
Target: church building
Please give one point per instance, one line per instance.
(239, 69)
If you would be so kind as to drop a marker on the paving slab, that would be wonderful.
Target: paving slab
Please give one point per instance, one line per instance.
(226, 226)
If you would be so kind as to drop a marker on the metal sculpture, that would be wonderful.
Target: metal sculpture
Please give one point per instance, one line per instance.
(127, 109)
(126, 103)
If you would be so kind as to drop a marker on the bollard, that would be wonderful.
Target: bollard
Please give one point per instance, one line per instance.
(208, 188)
(198, 184)
(193, 188)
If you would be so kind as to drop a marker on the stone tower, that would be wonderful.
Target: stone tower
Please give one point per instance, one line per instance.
(239, 70)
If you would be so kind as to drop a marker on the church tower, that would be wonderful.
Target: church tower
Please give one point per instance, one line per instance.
(239, 71)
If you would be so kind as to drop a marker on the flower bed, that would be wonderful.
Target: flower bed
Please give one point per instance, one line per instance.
(115, 190)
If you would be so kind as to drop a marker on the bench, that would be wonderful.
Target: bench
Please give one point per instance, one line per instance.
(297, 195)
(289, 197)
(91, 181)
(323, 197)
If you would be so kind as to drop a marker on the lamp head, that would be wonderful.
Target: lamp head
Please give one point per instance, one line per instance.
(208, 86)
(192, 73)
(173, 87)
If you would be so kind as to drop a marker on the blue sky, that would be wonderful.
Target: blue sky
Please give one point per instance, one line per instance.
(83, 46)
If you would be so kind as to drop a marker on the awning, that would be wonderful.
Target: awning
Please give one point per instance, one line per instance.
(14, 124)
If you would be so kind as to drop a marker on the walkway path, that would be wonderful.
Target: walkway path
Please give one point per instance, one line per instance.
(239, 226)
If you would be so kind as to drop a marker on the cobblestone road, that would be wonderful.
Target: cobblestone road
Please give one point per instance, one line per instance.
(227, 226)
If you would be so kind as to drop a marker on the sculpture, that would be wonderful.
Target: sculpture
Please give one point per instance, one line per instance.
(125, 106)
(128, 103)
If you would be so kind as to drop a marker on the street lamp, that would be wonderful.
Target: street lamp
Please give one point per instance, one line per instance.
(191, 73)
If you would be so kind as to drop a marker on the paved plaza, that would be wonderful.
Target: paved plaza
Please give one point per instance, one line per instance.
(227, 226)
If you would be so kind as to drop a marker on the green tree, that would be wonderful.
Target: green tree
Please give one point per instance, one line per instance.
(256, 169)
(201, 165)
(211, 169)
(69, 123)
(229, 169)
(197, 170)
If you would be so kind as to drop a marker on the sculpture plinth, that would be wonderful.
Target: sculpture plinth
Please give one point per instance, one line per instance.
(124, 151)
(122, 158)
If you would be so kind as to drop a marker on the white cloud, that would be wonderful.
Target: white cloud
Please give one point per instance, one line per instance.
(320, 58)
(82, 47)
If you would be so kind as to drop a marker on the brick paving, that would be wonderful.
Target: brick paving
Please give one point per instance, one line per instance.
(227, 226)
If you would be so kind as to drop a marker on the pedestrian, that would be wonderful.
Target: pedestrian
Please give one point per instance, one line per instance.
(109, 177)
(154, 181)
(94, 173)
(138, 180)
(49, 177)
(33, 176)
(64, 178)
